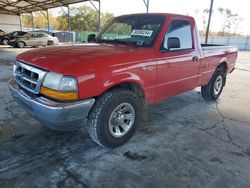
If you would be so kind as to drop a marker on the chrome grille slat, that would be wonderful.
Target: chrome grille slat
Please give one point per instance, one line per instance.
(29, 77)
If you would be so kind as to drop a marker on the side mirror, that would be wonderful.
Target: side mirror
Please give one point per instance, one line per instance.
(91, 38)
(173, 42)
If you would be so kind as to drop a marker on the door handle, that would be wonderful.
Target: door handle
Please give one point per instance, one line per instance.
(195, 58)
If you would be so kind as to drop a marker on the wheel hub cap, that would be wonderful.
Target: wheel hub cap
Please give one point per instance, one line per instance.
(218, 85)
(121, 120)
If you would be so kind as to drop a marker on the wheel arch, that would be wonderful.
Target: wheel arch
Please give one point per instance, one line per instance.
(132, 86)
(138, 90)
(22, 42)
(224, 66)
(1, 40)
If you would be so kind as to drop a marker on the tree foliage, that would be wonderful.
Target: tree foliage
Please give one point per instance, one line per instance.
(229, 22)
(82, 18)
(39, 20)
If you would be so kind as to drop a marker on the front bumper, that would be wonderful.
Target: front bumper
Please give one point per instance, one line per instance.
(52, 114)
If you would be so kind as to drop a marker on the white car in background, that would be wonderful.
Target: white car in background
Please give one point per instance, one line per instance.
(34, 39)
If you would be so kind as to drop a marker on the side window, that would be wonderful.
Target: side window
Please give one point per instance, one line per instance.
(40, 35)
(15, 33)
(35, 35)
(180, 32)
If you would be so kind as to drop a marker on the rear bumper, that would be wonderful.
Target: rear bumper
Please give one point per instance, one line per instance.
(52, 114)
(12, 43)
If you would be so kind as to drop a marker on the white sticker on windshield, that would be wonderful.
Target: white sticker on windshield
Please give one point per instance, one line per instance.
(145, 33)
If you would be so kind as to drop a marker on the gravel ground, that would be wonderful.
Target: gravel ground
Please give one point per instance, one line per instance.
(187, 142)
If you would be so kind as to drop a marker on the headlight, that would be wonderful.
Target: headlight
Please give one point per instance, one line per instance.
(68, 84)
(59, 87)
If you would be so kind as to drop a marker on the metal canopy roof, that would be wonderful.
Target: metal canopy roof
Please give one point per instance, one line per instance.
(27, 6)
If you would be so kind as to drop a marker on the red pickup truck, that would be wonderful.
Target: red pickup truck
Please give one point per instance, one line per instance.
(135, 60)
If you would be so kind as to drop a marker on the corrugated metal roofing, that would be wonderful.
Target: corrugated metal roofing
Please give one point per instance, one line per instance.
(28, 6)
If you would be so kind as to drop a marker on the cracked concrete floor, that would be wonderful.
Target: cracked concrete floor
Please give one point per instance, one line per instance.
(187, 142)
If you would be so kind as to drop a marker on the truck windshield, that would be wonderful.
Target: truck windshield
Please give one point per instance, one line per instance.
(140, 30)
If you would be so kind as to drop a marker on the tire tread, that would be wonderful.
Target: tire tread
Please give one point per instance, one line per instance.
(207, 90)
(97, 110)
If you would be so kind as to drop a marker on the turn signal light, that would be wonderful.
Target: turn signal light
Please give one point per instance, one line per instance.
(66, 95)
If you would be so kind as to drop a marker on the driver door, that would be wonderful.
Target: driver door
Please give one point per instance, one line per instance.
(178, 68)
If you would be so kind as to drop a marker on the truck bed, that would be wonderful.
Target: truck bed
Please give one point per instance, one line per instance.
(218, 54)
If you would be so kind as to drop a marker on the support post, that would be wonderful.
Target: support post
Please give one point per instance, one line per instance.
(48, 20)
(147, 6)
(146, 2)
(69, 24)
(99, 16)
(99, 12)
(21, 27)
(32, 21)
(209, 20)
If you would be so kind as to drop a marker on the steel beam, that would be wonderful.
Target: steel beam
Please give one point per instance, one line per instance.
(146, 2)
(21, 27)
(99, 17)
(64, 11)
(43, 14)
(209, 20)
(99, 12)
(32, 21)
(69, 24)
(48, 19)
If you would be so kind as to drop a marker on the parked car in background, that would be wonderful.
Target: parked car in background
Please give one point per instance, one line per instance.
(2, 33)
(4, 40)
(34, 39)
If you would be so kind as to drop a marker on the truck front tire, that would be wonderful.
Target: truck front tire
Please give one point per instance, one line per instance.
(213, 89)
(114, 118)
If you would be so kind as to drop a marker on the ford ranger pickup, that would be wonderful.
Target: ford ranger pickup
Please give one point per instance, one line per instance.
(136, 60)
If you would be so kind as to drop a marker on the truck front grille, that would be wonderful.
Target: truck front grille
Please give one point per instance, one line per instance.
(28, 77)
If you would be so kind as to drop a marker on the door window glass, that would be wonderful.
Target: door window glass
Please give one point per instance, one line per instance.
(180, 29)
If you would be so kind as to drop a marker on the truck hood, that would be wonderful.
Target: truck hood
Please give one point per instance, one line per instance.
(70, 59)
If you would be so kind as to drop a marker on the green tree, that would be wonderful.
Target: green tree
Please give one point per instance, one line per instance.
(39, 20)
(83, 18)
(62, 22)
(106, 17)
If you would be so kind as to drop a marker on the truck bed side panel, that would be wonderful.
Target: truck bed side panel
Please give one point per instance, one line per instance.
(213, 57)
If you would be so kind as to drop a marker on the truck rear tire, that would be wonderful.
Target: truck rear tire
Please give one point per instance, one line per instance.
(213, 89)
(114, 118)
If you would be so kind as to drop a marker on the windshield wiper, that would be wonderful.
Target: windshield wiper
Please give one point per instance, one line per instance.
(138, 43)
(123, 41)
(118, 42)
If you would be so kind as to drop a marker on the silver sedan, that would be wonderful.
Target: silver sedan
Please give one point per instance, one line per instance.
(34, 39)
